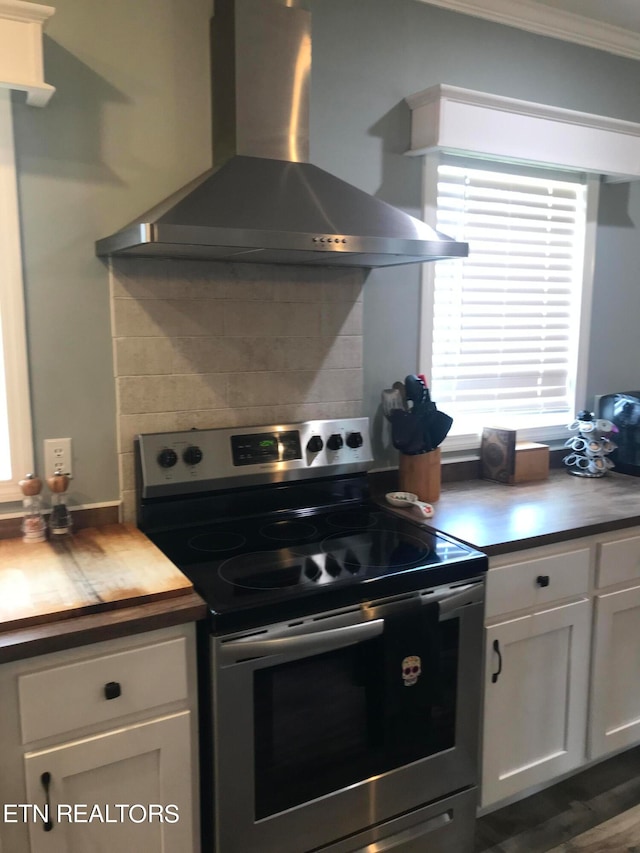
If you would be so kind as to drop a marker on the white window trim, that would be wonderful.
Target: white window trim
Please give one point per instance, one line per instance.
(450, 119)
(477, 124)
(21, 25)
(12, 311)
(459, 443)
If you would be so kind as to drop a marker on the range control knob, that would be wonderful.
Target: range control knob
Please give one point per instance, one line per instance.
(311, 569)
(192, 455)
(167, 458)
(334, 442)
(315, 444)
(332, 566)
(354, 440)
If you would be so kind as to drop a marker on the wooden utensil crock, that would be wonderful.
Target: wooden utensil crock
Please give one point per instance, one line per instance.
(421, 474)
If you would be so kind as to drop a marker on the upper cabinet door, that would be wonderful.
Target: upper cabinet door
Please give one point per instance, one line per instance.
(536, 677)
(615, 688)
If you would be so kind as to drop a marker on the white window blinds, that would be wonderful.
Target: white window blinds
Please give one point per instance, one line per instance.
(506, 319)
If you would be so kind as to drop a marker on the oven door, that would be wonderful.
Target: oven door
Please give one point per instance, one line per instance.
(316, 740)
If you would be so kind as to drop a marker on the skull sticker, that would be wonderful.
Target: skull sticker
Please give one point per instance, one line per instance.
(411, 669)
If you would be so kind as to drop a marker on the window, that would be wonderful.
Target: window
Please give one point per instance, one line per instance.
(505, 345)
(16, 454)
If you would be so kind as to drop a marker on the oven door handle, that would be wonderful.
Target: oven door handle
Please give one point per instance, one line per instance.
(236, 651)
(472, 593)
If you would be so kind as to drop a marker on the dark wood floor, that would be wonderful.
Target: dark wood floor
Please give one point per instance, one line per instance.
(596, 811)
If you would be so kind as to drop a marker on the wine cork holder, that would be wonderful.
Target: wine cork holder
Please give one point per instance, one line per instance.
(421, 474)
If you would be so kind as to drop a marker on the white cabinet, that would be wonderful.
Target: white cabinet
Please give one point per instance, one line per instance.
(120, 790)
(537, 582)
(615, 685)
(102, 741)
(536, 680)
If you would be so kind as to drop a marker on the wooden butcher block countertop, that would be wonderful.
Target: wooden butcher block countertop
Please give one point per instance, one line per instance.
(99, 582)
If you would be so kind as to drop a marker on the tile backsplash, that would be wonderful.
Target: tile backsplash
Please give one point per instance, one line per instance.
(209, 344)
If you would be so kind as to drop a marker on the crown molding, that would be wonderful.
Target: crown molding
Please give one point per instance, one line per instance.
(547, 21)
(19, 10)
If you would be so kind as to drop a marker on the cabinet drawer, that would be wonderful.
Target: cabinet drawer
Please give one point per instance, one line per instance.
(65, 698)
(618, 561)
(537, 582)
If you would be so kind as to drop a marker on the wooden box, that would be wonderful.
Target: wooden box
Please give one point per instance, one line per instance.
(506, 460)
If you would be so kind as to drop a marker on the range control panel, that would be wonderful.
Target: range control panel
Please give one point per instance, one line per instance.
(200, 460)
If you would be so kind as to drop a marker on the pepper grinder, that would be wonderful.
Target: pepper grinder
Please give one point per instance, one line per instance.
(60, 519)
(33, 526)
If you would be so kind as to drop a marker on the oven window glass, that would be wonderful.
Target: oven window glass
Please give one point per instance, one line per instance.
(331, 720)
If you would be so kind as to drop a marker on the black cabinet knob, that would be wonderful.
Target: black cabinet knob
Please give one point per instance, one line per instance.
(112, 690)
(542, 580)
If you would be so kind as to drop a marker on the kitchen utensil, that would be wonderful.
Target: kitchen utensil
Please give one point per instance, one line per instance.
(435, 425)
(415, 389)
(439, 427)
(392, 399)
(407, 434)
(405, 499)
(399, 387)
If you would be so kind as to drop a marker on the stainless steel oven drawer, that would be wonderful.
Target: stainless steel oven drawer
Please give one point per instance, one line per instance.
(447, 826)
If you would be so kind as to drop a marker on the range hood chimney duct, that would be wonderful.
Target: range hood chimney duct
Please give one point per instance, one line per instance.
(263, 202)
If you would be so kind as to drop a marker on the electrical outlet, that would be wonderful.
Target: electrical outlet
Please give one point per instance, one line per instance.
(57, 456)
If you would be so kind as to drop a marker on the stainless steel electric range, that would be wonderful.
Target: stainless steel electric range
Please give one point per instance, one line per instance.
(341, 661)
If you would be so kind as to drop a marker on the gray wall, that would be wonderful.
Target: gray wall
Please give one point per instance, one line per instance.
(130, 123)
(367, 56)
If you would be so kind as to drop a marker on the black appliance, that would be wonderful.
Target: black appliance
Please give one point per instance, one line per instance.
(623, 409)
(342, 658)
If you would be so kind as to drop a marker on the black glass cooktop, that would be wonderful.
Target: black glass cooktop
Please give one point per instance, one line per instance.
(259, 570)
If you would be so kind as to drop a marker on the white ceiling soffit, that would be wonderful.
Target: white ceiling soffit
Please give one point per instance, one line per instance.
(592, 30)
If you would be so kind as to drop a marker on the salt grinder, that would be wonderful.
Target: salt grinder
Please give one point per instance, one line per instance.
(33, 526)
(60, 519)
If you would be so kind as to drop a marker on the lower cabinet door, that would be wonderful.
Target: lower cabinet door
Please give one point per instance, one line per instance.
(535, 699)
(615, 690)
(124, 790)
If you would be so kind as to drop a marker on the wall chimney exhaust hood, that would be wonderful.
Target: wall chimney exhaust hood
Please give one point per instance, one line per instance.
(263, 202)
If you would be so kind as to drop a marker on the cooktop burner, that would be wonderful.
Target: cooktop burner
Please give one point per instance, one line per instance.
(288, 531)
(351, 520)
